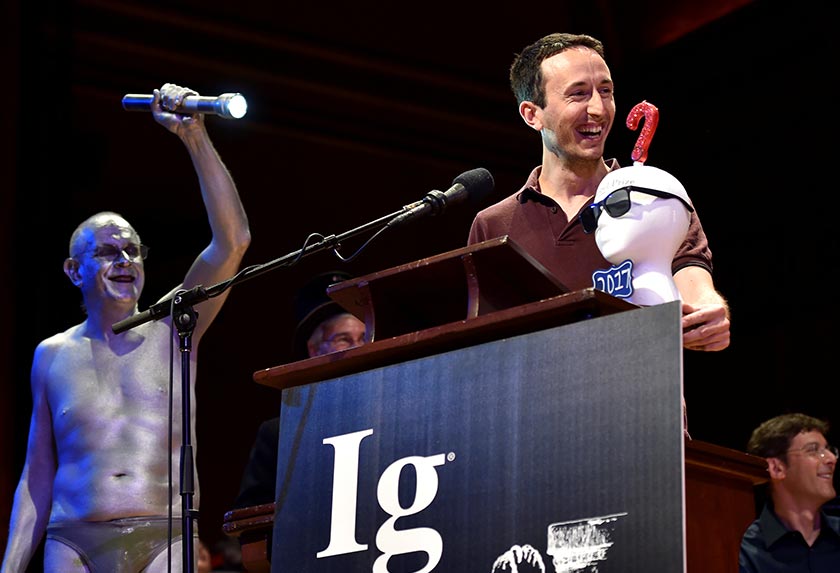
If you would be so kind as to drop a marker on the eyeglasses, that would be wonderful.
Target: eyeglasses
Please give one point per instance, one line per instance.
(343, 341)
(132, 252)
(618, 203)
(815, 451)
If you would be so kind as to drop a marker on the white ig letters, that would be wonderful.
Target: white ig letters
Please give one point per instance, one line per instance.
(389, 540)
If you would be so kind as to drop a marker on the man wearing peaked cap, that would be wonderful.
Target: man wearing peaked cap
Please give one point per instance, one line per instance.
(323, 326)
(313, 308)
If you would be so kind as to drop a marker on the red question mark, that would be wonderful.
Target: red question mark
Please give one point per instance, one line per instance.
(651, 113)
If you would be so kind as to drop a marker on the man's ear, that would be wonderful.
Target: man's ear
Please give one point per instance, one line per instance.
(528, 110)
(776, 468)
(71, 269)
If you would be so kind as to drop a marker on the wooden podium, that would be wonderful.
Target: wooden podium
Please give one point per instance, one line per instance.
(460, 298)
(720, 504)
(720, 499)
(464, 308)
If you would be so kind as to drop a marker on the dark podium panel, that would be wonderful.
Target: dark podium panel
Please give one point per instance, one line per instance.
(720, 503)
(567, 441)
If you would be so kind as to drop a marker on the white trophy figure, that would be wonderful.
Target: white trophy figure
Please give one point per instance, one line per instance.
(642, 215)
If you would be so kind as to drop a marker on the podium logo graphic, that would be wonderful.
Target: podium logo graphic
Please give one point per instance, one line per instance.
(519, 559)
(577, 545)
(580, 544)
(389, 540)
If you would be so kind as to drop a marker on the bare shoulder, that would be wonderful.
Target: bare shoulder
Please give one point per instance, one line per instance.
(57, 341)
(49, 348)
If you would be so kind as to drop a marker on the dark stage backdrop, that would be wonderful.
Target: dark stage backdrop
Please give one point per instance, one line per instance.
(355, 112)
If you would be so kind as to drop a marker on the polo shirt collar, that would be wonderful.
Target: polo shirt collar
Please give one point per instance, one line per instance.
(531, 190)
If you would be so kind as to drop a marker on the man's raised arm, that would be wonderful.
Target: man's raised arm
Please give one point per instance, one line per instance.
(231, 236)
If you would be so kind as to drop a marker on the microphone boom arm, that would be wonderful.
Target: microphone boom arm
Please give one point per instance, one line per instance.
(198, 294)
(478, 181)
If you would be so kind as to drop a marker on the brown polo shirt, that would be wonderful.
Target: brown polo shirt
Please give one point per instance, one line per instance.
(536, 223)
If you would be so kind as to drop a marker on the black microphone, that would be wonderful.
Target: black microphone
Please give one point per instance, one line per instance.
(474, 184)
(228, 106)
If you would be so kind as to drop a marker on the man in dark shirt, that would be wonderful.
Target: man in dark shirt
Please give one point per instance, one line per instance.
(323, 327)
(794, 533)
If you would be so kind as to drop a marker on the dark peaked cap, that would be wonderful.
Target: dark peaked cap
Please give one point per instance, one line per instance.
(312, 307)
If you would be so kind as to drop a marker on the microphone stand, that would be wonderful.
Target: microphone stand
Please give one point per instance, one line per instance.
(185, 321)
(185, 318)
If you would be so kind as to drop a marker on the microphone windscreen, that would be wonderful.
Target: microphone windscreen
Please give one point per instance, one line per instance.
(478, 182)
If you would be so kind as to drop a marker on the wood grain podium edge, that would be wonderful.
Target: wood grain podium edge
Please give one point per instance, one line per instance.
(547, 313)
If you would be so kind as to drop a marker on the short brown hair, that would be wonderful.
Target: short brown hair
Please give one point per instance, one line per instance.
(772, 438)
(526, 79)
